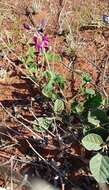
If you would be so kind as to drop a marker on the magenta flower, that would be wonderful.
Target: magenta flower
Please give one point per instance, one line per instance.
(41, 42)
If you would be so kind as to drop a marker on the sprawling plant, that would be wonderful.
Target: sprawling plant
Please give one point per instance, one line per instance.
(88, 105)
(94, 118)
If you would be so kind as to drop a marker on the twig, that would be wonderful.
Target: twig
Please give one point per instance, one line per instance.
(16, 159)
(12, 186)
(43, 126)
(42, 158)
(104, 80)
(27, 127)
(8, 146)
(5, 163)
(13, 64)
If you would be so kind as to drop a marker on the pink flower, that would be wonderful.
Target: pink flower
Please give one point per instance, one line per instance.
(41, 42)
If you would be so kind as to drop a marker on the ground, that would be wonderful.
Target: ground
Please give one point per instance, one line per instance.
(21, 147)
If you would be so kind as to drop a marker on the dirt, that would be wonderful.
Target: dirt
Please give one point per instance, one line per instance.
(18, 95)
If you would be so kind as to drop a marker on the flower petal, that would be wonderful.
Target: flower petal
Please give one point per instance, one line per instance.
(27, 26)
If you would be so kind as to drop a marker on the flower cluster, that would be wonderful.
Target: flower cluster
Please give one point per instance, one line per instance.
(41, 42)
(40, 39)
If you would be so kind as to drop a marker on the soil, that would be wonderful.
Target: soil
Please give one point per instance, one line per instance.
(20, 97)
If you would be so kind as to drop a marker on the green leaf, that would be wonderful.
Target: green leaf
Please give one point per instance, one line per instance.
(103, 132)
(86, 77)
(49, 74)
(90, 91)
(31, 52)
(92, 142)
(58, 106)
(99, 166)
(50, 56)
(49, 86)
(54, 78)
(92, 119)
(77, 107)
(29, 60)
(101, 116)
(73, 106)
(42, 123)
(93, 102)
(47, 91)
(22, 59)
(60, 80)
(32, 67)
